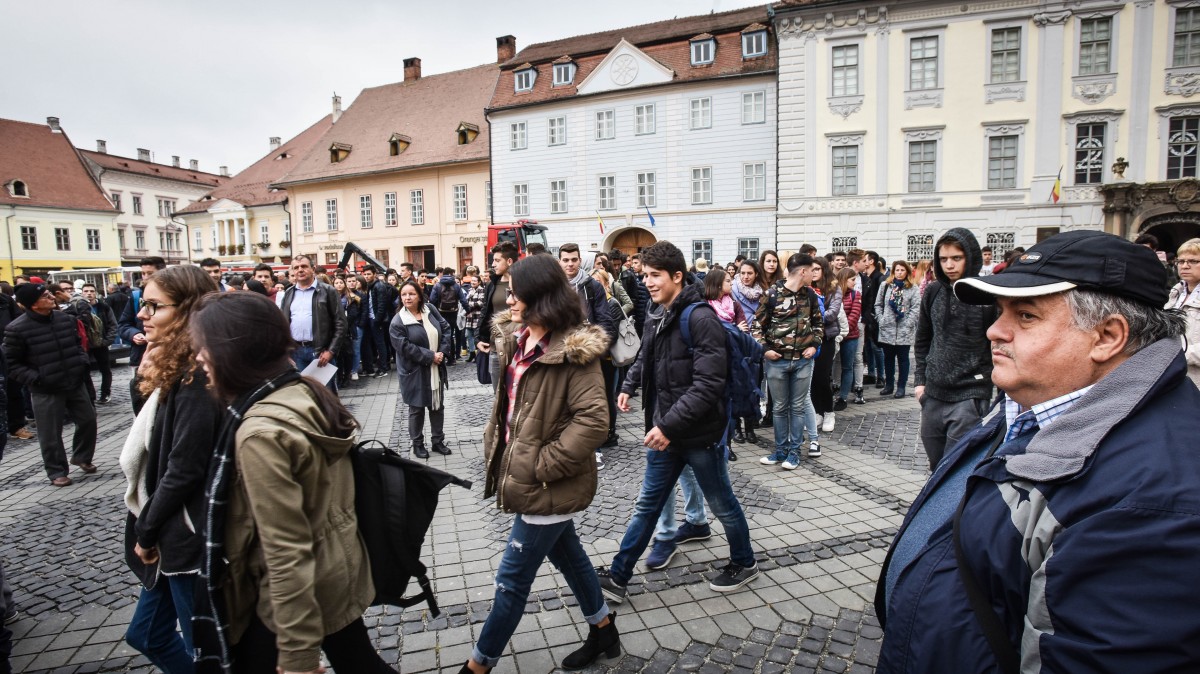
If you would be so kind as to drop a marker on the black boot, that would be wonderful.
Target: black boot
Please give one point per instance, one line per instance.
(418, 449)
(440, 447)
(467, 670)
(858, 397)
(599, 640)
(751, 437)
(738, 435)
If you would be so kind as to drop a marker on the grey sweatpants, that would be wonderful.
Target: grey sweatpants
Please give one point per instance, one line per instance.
(943, 423)
(50, 410)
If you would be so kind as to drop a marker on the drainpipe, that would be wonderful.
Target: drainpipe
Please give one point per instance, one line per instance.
(12, 264)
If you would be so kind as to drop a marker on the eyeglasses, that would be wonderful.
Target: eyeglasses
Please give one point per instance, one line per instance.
(509, 294)
(1181, 262)
(152, 307)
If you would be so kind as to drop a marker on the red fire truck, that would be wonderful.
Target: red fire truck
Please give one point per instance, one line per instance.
(521, 232)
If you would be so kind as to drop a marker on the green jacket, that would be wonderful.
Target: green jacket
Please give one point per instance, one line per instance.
(295, 556)
(788, 322)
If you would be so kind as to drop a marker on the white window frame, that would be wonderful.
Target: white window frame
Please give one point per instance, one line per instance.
(214, 237)
(416, 206)
(331, 215)
(29, 237)
(1195, 171)
(93, 240)
(754, 44)
(558, 195)
(993, 28)
(521, 199)
(841, 173)
(930, 134)
(460, 202)
(700, 113)
(365, 212)
(287, 231)
(523, 80)
(139, 239)
(841, 86)
(1004, 129)
(564, 74)
(644, 119)
(518, 136)
(701, 185)
(647, 189)
(754, 107)
(306, 219)
(703, 51)
(116, 201)
(264, 231)
(137, 204)
(198, 239)
(556, 131)
(487, 197)
(702, 248)
(749, 247)
(1112, 34)
(606, 124)
(390, 216)
(754, 181)
(1106, 141)
(1175, 10)
(940, 70)
(606, 192)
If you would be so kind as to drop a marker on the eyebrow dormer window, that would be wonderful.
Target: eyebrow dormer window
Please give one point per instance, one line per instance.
(704, 49)
(398, 143)
(754, 44)
(338, 152)
(564, 73)
(17, 188)
(466, 133)
(523, 79)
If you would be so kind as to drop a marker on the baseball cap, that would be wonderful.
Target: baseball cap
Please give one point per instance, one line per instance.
(1088, 260)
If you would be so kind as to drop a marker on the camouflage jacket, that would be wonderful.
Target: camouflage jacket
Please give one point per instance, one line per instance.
(788, 322)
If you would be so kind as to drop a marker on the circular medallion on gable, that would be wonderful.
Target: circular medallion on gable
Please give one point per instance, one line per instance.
(623, 70)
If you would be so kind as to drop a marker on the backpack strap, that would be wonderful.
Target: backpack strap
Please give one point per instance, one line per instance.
(685, 330)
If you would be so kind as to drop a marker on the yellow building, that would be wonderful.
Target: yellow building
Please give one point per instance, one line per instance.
(403, 173)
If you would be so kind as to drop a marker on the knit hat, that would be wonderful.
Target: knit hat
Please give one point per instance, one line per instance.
(28, 293)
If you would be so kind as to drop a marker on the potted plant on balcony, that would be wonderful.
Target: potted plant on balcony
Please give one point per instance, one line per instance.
(286, 244)
(221, 249)
(263, 245)
(241, 249)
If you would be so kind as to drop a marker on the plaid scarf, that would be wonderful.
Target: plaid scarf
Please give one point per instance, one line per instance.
(210, 620)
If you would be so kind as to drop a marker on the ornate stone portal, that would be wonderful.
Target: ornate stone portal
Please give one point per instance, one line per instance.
(1170, 210)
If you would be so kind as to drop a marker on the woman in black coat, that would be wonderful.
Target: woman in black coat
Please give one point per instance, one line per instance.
(421, 338)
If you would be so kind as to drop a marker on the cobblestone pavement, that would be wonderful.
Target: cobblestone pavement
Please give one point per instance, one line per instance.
(820, 534)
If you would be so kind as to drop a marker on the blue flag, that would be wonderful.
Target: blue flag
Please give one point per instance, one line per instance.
(649, 215)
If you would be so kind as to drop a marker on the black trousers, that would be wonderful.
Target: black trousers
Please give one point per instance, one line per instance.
(15, 405)
(348, 649)
(100, 355)
(822, 379)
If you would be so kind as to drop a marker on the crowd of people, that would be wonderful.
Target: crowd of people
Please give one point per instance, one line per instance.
(241, 522)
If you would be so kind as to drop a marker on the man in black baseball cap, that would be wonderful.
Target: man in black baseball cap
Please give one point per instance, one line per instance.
(1065, 522)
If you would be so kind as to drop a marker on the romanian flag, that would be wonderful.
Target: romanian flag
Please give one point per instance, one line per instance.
(649, 215)
(601, 221)
(1056, 191)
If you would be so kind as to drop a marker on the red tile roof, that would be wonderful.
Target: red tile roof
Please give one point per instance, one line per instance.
(251, 186)
(665, 41)
(53, 172)
(427, 110)
(112, 162)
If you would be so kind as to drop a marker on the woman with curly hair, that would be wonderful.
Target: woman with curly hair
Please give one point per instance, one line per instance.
(166, 459)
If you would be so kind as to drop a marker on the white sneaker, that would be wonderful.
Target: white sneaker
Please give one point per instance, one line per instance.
(827, 423)
(353, 376)
(791, 463)
(599, 460)
(814, 449)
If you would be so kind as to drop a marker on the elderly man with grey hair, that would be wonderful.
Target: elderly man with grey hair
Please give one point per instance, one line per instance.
(1062, 534)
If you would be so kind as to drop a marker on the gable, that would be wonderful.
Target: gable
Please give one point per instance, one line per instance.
(625, 67)
(224, 205)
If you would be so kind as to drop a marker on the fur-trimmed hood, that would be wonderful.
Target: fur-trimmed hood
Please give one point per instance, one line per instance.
(577, 346)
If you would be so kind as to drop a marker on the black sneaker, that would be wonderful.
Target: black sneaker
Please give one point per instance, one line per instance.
(105, 399)
(733, 577)
(689, 532)
(839, 404)
(614, 591)
(611, 441)
(12, 616)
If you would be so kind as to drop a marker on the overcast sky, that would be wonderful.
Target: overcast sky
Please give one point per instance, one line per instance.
(214, 80)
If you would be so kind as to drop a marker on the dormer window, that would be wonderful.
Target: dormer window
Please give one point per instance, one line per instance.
(704, 49)
(338, 152)
(398, 143)
(282, 155)
(754, 42)
(18, 188)
(466, 132)
(564, 73)
(523, 79)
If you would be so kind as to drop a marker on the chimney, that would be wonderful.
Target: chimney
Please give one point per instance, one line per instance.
(143, 154)
(412, 69)
(175, 160)
(506, 48)
(225, 171)
(102, 146)
(275, 143)
(194, 165)
(337, 107)
(52, 122)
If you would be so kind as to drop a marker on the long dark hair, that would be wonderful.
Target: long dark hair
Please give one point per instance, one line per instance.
(714, 283)
(246, 341)
(769, 279)
(827, 283)
(420, 293)
(550, 300)
(758, 273)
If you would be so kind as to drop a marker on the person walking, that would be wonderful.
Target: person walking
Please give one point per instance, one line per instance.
(285, 573)
(849, 355)
(166, 460)
(718, 291)
(897, 310)
(99, 352)
(421, 338)
(826, 287)
(504, 254)
(1185, 296)
(45, 353)
(537, 453)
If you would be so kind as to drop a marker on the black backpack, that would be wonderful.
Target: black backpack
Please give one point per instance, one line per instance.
(394, 500)
(448, 299)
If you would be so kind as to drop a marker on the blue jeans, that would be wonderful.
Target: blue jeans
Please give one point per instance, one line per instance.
(848, 354)
(152, 628)
(356, 365)
(873, 355)
(303, 356)
(789, 381)
(693, 507)
(528, 545)
(894, 354)
(470, 339)
(658, 485)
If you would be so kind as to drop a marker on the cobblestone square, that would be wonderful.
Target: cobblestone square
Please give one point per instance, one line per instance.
(820, 534)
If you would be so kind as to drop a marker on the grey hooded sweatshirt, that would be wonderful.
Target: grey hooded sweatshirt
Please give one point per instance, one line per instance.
(953, 353)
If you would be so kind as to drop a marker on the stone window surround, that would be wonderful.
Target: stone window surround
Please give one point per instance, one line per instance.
(1094, 89)
(1109, 117)
(924, 133)
(1006, 91)
(1179, 80)
(849, 104)
(843, 138)
(918, 98)
(1005, 128)
(1165, 114)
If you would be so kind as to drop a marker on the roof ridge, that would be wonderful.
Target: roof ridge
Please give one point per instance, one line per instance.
(21, 121)
(422, 78)
(150, 163)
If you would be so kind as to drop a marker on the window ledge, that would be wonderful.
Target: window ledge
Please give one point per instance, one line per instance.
(1004, 91)
(1093, 89)
(921, 202)
(923, 98)
(1183, 81)
(845, 105)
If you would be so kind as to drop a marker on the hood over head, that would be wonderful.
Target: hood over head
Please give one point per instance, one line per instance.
(970, 245)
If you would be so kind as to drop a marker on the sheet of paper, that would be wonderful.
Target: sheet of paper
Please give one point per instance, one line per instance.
(321, 374)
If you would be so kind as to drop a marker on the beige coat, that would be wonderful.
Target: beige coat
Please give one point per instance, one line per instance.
(549, 467)
(295, 556)
(1191, 309)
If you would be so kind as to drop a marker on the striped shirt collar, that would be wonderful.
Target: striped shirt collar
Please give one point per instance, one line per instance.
(1042, 414)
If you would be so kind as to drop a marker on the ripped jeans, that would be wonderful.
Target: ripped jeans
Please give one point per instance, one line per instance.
(528, 545)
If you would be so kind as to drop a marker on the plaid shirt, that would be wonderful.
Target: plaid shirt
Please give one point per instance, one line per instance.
(1040, 415)
(522, 360)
